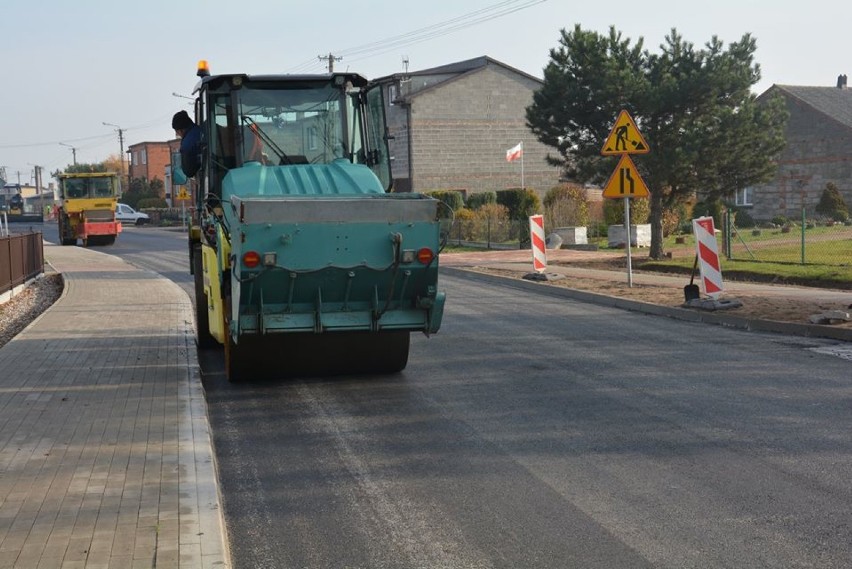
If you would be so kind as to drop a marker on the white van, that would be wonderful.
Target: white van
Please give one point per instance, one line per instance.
(127, 214)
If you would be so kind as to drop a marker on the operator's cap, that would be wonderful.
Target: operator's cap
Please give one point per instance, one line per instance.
(181, 121)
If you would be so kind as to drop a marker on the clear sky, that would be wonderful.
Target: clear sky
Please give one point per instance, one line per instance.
(68, 67)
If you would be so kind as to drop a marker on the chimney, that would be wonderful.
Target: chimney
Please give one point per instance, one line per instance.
(841, 81)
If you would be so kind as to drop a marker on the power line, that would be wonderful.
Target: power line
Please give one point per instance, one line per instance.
(54, 142)
(459, 22)
(432, 34)
(100, 137)
(432, 31)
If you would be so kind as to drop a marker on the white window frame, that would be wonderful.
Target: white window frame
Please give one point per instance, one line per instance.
(744, 196)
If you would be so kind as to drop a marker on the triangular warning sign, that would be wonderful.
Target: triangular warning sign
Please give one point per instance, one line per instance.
(624, 138)
(625, 182)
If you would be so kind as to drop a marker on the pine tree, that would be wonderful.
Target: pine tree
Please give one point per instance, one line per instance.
(708, 133)
(831, 204)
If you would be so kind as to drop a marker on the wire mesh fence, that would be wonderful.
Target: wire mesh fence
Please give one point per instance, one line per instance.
(503, 234)
(804, 241)
(489, 234)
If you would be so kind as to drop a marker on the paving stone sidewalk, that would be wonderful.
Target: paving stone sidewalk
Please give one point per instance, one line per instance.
(105, 452)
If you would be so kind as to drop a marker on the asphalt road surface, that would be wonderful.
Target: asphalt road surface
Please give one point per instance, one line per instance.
(537, 431)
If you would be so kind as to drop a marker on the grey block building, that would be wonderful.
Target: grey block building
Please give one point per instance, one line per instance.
(818, 151)
(452, 125)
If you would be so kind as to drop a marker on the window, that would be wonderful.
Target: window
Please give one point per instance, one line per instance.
(392, 94)
(744, 196)
(144, 156)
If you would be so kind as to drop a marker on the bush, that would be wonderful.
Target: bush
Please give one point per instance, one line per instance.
(640, 211)
(477, 200)
(710, 208)
(671, 221)
(598, 229)
(744, 219)
(490, 222)
(566, 206)
(453, 198)
(463, 226)
(832, 205)
(780, 220)
(519, 202)
(151, 203)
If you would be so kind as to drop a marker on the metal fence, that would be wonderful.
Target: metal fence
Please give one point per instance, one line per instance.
(21, 259)
(801, 241)
(489, 234)
(170, 216)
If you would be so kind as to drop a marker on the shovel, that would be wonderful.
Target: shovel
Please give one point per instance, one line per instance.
(691, 291)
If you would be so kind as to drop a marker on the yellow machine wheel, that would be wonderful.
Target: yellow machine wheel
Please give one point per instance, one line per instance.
(203, 337)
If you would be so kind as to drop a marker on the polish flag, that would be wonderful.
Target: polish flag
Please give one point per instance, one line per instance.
(515, 152)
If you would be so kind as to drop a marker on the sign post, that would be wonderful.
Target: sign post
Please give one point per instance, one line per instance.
(625, 182)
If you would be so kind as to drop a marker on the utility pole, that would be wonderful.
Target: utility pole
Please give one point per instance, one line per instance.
(38, 189)
(331, 59)
(121, 156)
(73, 151)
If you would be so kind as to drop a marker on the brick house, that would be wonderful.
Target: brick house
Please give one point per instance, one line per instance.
(150, 160)
(818, 151)
(452, 125)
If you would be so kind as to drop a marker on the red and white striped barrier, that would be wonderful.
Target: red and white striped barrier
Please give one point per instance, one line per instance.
(538, 243)
(708, 256)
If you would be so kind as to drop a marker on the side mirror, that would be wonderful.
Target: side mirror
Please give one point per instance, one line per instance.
(178, 175)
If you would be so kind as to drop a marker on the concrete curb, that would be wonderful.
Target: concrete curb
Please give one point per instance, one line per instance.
(685, 314)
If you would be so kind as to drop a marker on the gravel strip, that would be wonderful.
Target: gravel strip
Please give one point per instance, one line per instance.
(17, 312)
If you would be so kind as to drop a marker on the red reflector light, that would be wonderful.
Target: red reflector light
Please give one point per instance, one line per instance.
(251, 259)
(425, 255)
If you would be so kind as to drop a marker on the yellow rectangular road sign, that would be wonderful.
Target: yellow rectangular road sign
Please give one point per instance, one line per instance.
(625, 182)
(182, 194)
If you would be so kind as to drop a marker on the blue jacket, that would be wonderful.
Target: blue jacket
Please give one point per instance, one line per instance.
(190, 151)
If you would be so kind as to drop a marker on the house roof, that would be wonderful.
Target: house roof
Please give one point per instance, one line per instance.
(834, 102)
(470, 65)
(453, 71)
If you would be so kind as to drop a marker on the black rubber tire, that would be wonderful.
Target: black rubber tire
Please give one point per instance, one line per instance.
(239, 363)
(62, 230)
(203, 338)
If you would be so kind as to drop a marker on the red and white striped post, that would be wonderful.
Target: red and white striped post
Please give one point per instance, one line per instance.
(708, 256)
(538, 243)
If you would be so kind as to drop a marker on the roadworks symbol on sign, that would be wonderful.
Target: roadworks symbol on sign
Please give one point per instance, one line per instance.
(625, 182)
(624, 138)
(183, 194)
